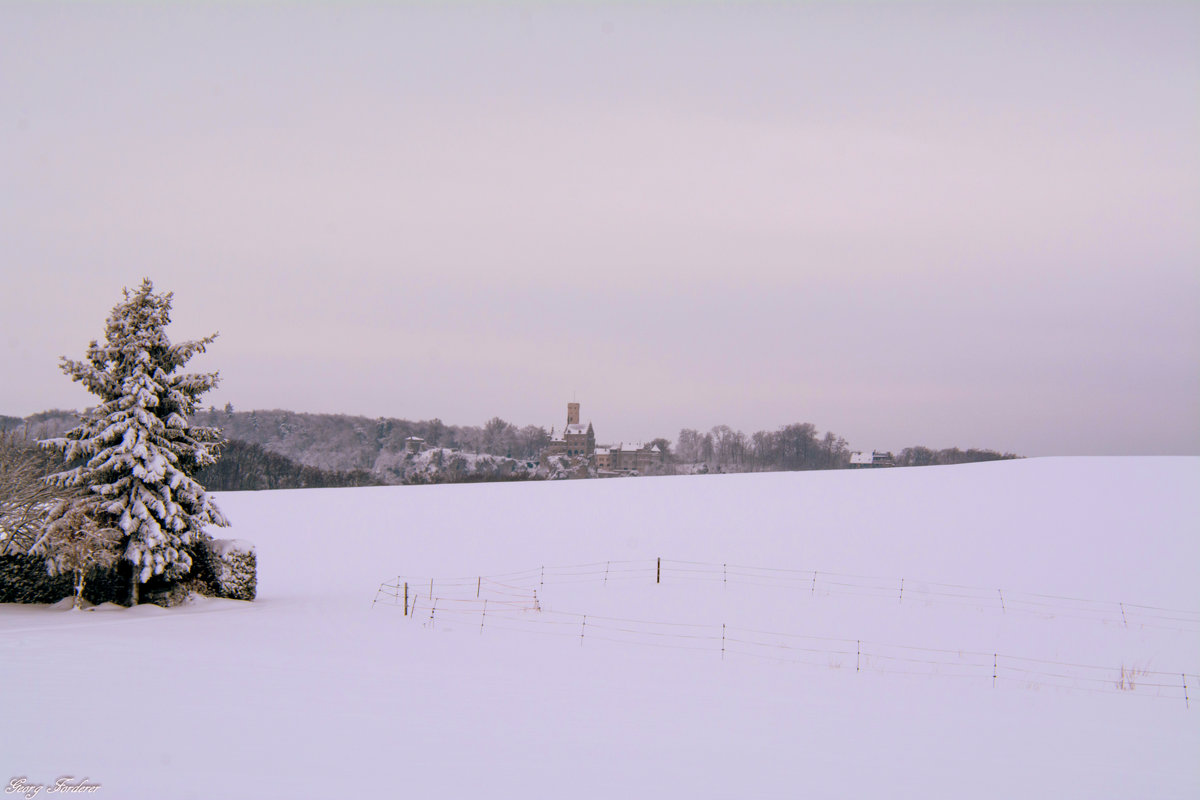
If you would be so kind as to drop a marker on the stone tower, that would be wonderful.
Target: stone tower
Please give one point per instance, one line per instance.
(572, 413)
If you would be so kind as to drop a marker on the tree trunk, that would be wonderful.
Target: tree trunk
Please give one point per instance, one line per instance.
(79, 579)
(133, 588)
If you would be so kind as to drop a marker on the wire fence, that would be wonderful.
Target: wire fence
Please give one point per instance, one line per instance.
(826, 583)
(513, 602)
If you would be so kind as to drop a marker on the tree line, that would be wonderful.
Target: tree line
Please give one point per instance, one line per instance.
(245, 466)
(276, 449)
(791, 447)
(799, 446)
(345, 443)
(925, 457)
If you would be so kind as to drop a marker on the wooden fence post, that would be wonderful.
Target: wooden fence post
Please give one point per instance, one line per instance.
(406, 598)
(658, 573)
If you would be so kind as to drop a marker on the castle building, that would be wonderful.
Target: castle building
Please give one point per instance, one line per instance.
(576, 439)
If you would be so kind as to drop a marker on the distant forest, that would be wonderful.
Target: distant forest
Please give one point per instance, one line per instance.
(799, 447)
(279, 449)
(245, 466)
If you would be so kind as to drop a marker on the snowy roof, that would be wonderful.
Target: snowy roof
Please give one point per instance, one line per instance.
(576, 428)
(862, 458)
(413, 439)
(602, 451)
(628, 447)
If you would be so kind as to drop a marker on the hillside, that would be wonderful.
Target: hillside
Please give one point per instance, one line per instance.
(817, 633)
(283, 449)
(346, 443)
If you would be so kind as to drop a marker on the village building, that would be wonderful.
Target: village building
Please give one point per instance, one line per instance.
(630, 456)
(871, 459)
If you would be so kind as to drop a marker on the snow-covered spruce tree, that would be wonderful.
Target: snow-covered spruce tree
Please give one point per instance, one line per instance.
(135, 452)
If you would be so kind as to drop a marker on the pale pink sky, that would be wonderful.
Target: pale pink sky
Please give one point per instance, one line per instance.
(940, 224)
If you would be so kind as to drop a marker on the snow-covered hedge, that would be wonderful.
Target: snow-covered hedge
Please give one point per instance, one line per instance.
(25, 579)
(221, 568)
(228, 567)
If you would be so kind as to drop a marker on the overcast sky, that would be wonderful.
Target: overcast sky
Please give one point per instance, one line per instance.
(949, 225)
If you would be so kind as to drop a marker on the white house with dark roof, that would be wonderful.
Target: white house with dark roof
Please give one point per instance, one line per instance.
(871, 459)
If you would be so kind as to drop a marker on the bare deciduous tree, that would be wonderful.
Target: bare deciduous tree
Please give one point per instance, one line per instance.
(25, 498)
(75, 543)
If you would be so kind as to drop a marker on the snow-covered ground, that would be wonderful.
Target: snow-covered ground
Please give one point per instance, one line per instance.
(1064, 578)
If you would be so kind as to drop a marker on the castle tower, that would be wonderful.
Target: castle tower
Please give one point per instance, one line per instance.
(572, 413)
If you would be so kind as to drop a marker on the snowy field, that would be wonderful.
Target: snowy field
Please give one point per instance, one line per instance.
(1000, 630)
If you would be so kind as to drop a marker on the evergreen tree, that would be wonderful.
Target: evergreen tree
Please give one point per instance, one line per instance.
(135, 452)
